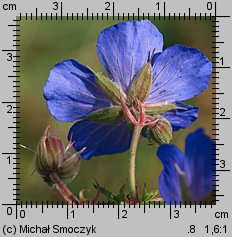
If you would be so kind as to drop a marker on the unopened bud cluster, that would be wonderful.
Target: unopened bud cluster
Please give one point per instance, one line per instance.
(160, 132)
(52, 158)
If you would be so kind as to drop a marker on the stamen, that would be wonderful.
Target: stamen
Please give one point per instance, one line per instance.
(27, 148)
(153, 53)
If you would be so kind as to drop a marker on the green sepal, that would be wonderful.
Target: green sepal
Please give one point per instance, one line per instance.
(148, 196)
(109, 88)
(159, 109)
(107, 115)
(141, 85)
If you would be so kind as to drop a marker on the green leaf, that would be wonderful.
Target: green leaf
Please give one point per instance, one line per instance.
(107, 115)
(109, 195)
(141, 85)
(159, 109)
(109, 88)
(148, 196)
(144, 192)
(121, 196)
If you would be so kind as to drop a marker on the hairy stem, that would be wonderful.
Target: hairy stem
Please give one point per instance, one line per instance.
(64, 191)
(132, 160)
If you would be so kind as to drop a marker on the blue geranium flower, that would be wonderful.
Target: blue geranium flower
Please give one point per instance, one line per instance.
(178, 73)
(195, 167)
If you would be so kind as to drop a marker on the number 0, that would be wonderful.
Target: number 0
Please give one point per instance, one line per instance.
(209, 6)
(9, 211)
(22, 213)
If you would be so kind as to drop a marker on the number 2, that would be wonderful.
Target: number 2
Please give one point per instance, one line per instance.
(107, 6)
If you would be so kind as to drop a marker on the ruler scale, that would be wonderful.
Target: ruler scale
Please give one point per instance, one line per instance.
(102, 219)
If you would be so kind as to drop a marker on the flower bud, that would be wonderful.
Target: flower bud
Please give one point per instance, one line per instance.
(160, 132)
(53, 158)
(70, 168)
(141, 85)
(109, 88)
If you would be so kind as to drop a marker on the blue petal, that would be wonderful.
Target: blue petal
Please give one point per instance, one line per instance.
(179, 73)
(169, 182)
(199, 168)
(100, 139)
(182, 118)
(71, 92)
(125, 48)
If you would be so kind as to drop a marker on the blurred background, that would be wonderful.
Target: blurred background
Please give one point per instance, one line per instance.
(45, 43)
